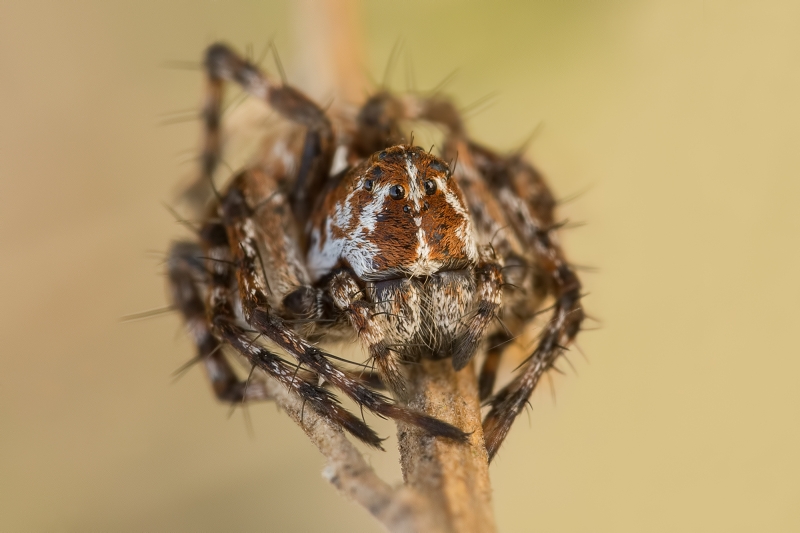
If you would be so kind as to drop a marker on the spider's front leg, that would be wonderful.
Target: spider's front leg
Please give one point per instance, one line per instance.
(224, 323)
(489, 293)
(557, 335)
(349, 298)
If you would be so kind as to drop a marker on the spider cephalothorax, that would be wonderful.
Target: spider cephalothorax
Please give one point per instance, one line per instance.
(396, 214)
(413, 256)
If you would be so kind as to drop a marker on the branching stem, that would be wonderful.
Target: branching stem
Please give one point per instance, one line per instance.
(447, 484)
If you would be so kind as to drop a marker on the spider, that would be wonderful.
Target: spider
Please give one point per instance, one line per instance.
(349, 231)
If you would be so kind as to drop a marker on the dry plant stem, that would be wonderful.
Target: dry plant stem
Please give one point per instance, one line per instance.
(330, 49)
(399, 510)
(453, 477)
(447, 484)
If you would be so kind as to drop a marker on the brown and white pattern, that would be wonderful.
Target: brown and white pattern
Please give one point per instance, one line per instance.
(366, 237)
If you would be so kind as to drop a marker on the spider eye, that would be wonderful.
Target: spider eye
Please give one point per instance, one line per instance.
(397, 192)
(430, 187)
(368, 184)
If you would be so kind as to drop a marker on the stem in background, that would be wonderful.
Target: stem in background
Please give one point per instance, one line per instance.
(330, 49)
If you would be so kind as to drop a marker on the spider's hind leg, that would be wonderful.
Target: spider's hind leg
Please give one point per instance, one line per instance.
(496, 345)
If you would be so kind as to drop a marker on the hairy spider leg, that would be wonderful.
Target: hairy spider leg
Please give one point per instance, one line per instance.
(222, 317)
(223, 64)
(349, 297)
(524, 195)
(186, 272)
(496, 343)
(489, 283)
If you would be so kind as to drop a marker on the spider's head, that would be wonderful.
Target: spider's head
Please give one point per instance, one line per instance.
(397, 214)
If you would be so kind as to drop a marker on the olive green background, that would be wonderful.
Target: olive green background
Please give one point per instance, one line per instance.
(677, 120)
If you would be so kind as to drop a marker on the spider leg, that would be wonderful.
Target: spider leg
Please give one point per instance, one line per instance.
(559, 332)
(241, 234)
(347, 297)
(223, 64)
(379, 119)
(274, 227)
(496, 345)
(524, 195)
(224, 324)
(489, 277)
(184, 266)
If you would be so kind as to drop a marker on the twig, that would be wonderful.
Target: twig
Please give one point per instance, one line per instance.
(399, 510)
(447, 484)
(453, 477)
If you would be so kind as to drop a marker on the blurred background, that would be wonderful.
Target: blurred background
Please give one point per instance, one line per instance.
(676, 122)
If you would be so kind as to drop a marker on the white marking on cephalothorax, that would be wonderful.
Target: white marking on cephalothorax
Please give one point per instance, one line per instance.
(415, 193)
(464, 231)
(423, 265)
(369, 212)
(411, 168)
(355, 246)
(452, 199)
